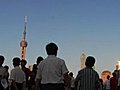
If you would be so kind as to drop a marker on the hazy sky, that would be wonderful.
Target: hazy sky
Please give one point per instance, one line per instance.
(74, 25)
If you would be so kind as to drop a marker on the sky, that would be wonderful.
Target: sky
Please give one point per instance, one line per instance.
(74, 25)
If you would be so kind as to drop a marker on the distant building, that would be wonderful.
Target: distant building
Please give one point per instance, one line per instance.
(117, 70)
(82, 60)
(118, 65)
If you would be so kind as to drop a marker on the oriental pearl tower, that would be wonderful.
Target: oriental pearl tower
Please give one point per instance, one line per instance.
(23, 43)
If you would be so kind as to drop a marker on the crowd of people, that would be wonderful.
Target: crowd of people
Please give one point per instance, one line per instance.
(51, 73)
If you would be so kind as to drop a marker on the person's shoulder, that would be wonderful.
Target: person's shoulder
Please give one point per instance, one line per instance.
(13, 70)
(60, 59)
(81, 70)
(27, 69)
(94, 71)
(2, 68)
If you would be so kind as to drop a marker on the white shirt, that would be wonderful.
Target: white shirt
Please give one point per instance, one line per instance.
(2, 72)
(72, 82)
(51, 70)
(107, 84)
(18, 75)
(118, 81)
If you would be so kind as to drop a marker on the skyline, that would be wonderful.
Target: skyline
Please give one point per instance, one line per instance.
(89, 25)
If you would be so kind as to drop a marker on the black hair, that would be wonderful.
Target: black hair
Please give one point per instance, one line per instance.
(51, 49)
(24, 61)
(16, 61)
(71, 74)
(114, 74)
(34, 67)
(90, 61)
(2, 58)
(7, 67)
(39, 59)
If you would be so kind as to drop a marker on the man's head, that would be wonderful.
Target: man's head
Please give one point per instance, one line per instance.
(51, 49)
(6, 67)
(39, 59)
(1, 60)
(16, 61)
(23, 63)
(114, 74)
(71, 74)
(90, 61)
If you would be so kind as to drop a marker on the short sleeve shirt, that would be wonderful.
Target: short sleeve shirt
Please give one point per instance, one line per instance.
(88, 78)
(17, 75)
(51, 70)
(2, 72)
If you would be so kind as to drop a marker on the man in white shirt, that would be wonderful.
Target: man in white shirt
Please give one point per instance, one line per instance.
(52, 71)
(17, 76)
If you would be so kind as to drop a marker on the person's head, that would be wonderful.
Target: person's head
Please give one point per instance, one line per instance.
(39, 59)
(6, 67)
(114, 74)
(90, 61)
(34, 67)
(16, 61)
(71, 74)
(1, 60)
(51, 49)
(23, 63)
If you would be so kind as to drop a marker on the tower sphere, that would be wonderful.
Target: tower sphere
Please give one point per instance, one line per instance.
(23, 43)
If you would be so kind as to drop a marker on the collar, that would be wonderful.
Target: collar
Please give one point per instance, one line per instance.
(17, 67)
(51, 56)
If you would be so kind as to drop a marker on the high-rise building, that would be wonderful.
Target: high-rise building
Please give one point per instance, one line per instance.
(23, 43)
(117, 70)
(82, 60)
(118, 65)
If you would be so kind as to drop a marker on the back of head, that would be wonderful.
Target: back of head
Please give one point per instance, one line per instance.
(24, 61)
(39, 59)
(90, 61)
(1, 59)
(6, 67)
(71, 74)
(34, 67)
(16, 61)
(114, 74)
(51, 49)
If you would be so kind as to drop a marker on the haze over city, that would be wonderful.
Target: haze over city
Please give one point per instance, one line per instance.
(74, 25)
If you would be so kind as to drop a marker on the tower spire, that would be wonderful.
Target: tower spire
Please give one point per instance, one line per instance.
(25, 28)
(23, 43)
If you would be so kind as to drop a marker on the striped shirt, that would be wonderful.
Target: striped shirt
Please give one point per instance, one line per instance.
(88, 79)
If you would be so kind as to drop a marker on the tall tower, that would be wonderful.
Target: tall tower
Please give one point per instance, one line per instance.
(23, 43)
(82, 59)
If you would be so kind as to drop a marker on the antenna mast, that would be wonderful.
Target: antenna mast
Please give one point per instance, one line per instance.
(25, 28)
(23, 43)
